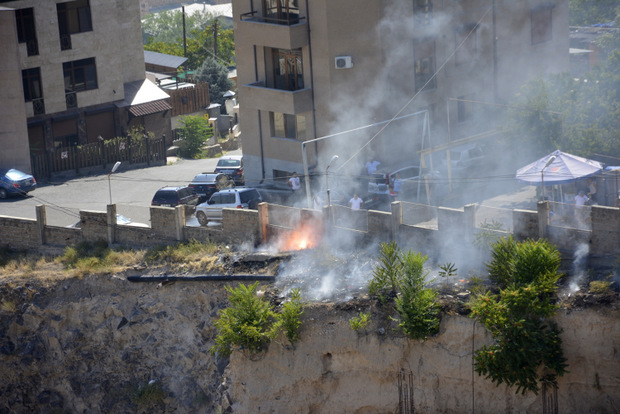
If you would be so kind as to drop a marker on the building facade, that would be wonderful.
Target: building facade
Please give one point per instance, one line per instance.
(381, 78)
(73, 73)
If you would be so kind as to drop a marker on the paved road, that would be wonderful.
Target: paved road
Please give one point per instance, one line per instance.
(132, 191)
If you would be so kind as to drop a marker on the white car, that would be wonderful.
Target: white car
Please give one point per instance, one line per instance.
(240, 197)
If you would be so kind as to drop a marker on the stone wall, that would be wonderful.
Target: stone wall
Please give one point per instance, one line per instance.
(453, 234)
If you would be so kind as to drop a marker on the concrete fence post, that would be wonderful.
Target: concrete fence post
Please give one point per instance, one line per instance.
(41, 223)
(543, 219)
(263, 221)
(397, 219)
(111, 223)
(179, 222)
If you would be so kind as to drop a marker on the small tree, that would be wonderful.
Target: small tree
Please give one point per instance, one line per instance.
(527, 348)
(194, 132)
(416, 305)
(216, 75)
(248, 322)
(385, 281)
(289, 317)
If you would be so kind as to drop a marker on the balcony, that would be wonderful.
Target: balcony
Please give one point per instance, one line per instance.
(256, 95)
(288, 33)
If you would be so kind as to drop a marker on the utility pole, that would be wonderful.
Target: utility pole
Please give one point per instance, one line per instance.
(215, 28)
(184, 35)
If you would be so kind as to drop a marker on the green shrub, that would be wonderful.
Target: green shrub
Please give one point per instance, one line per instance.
(525, 343)
(402, 276)
(249, 322)
(194, 132)
(359, 322)
(149, 395)
(289, 317)
(416, 305)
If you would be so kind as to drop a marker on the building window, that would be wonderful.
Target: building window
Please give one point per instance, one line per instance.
(281, 11)
(422, 11)
(80, 75)
(73, 17)
(288, 69)
(26, 32)
(424, 58)
(541, 24)
(465, 44)
(32, 84)
(288, 126)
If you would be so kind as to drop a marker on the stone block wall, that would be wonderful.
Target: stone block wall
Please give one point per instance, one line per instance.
(240, 225)
(94, 225)
(380, 225)
(525, 224)
(605, 230)
(18, 233)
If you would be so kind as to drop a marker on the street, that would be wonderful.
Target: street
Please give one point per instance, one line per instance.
(131, 190)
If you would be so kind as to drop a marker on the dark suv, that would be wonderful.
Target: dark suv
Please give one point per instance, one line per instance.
(206, 184)
(232, 166)
(174, 196)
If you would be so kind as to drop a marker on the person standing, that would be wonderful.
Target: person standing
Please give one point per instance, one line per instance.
(356, 203)
(371, 166)
(317, 202)
(294, 182)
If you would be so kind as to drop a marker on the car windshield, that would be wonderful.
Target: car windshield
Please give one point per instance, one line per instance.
(228, 163)
(166, 196)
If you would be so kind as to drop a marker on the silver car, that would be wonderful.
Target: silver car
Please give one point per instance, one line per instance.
(228, 198)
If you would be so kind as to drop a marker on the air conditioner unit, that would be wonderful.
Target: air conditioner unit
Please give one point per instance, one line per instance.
(343, 62)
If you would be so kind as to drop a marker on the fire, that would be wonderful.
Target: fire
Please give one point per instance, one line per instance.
(305, 237)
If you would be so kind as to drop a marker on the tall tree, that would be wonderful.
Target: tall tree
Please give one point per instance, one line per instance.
(216, 75)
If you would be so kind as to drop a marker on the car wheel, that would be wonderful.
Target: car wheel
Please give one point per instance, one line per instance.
(202, 218)
(3, 194)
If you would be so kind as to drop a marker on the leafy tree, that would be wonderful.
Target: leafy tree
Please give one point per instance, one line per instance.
(216, 75)
(163, 33)
(401, 276)
(289, 317)
(416, 305)
(527, 347)
(589, 12)
(248, 322)
(194, 132)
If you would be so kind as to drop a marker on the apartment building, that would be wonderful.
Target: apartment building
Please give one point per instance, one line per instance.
(72, 73)
(382, 78)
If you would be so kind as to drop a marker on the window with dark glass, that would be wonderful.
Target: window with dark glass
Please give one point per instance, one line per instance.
(74, 17)
(281, 11)
(80, 75)
(465, 44)
(288, 69)
(424, 66)
(32, 84)
(541, 24)
(422, 11)
(26, 32)
(288, 126)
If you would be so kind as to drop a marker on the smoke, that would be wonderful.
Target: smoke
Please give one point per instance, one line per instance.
(579, 268)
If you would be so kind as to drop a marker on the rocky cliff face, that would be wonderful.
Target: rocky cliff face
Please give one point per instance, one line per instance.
(95, 344)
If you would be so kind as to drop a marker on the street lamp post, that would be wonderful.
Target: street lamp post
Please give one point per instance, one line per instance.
(118, 163)
(334, 158)
(542, 176)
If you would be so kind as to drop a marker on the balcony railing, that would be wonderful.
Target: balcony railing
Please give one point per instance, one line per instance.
(287, 19)
(71, 98)
(38, 106)
(65, 42)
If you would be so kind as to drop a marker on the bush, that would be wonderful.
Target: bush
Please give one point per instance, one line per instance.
(525, 343)
(290, 314)
(401, 275)
(249, 322)
(194, 132)
(359, 322)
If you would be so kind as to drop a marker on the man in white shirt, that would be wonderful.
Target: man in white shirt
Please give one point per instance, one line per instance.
(294, 182)
(356, 203)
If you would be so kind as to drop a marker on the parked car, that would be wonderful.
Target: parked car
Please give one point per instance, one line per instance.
(228, 198)
(174, 196)
(13, 181)
(276, 192)
(206, 184)
(465, 160)
(413, 183)
(232, 166)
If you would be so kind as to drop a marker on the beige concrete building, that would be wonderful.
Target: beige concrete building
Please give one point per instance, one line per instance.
(433, 69)
(72, 71)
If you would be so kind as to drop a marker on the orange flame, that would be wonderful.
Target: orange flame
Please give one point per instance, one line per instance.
(306, 236)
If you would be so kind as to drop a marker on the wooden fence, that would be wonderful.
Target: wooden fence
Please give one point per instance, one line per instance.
(101, 154)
